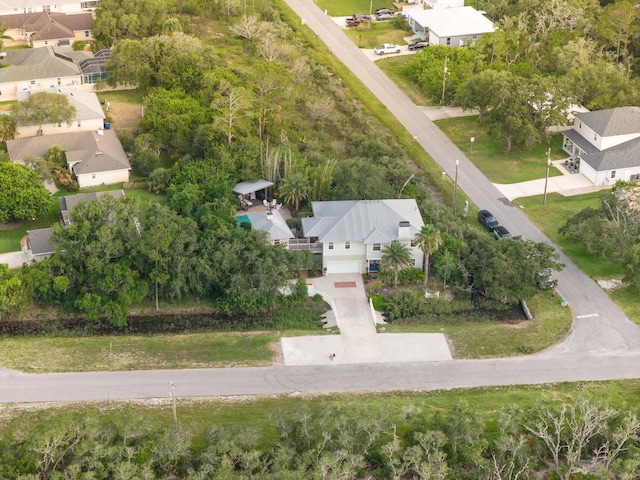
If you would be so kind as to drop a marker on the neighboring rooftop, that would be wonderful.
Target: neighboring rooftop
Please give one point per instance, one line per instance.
(93, 151)
(28, 64)
(451, 22)
(270, 222)
(40, 241)
(70, 201)
(48, 25)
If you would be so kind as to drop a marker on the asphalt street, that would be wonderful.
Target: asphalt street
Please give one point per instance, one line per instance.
(604, 344)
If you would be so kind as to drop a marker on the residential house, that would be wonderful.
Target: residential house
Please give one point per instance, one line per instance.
(13, 7)
(35, 69)
(68, 202)
(96, 157)
(46, 28)
(89, 114)
(39, 243)
(605, 144)
(438, 3)
(453, 27)
(353, 233)
(271, 222)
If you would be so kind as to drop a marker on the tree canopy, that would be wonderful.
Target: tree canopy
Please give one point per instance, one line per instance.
(22, 196)
(44, 107)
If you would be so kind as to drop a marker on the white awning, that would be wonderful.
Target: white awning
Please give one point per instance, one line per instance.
(245, 188)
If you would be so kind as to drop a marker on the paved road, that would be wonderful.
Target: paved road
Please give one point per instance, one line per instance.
(603, 345)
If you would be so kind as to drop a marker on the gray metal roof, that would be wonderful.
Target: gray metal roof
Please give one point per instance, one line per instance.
(613, 121)
(276, 227)
(40, 241)
(367, 221)
(96, 152)
(245, 188)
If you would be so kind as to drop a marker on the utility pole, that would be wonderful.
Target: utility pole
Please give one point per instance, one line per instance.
(172, 394)
(546, 178)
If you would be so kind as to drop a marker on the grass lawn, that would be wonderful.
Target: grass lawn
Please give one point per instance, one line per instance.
(394, 67)
(489, 339)
(137, 352)
(550, 217)
(489, 155)
(376, 33)
(340, 8)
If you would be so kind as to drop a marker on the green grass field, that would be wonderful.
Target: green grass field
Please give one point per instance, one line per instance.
(394, 68)
(340, 8)
(368, 35)
(489, 155)
(489, 339)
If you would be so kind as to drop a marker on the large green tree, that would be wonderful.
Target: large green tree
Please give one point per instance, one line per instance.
(118, 19)
(22, 196)
(44, 107)
(14, 293)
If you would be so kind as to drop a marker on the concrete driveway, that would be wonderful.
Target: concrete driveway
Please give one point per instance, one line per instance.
(14, 259)
(358, 341)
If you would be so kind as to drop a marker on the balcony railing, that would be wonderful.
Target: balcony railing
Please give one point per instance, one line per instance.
(304, 244)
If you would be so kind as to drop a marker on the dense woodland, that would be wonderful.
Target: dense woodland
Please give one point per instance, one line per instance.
(582, 440)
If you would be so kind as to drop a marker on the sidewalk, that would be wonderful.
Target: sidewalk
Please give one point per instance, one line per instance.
(568, 184)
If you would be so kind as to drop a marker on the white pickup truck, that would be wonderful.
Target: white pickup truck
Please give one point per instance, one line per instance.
(387, 48)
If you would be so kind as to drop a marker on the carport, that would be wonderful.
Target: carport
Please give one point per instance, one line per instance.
(251, 193)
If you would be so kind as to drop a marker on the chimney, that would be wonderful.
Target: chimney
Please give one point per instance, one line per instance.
(404, 230)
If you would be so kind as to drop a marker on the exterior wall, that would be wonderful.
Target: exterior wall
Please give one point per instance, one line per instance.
(54, 6)
(357, 251)
(602, 143)
(452, 41)
(608, 142)
(9, 90)
(52, 129)
(103, 178)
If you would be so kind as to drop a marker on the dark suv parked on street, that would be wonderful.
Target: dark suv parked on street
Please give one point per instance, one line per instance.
(486, 218)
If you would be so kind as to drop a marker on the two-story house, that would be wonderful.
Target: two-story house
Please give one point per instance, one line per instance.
(353, 233)
(606, 144)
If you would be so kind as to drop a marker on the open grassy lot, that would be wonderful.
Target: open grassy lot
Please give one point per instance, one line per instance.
(490, 157)
(376, 33)
(340, 8)
(550, 217)
(488, 339)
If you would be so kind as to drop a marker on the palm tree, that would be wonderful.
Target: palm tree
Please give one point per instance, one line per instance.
(428, 240)
(8, 128)
(294, 189)
(396, 255)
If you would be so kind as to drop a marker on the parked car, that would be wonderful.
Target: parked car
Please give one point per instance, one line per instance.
(382, 17)
(357, 19)
(500, 232)
(419, 45)
(384, 10)
(386, 48)
(488, 221)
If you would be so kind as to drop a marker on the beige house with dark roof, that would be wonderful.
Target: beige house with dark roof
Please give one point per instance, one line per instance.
(96, 157)
(606, 144)
(47, 28)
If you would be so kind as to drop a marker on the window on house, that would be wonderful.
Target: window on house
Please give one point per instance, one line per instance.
(33, 82)
(376, 247)
(93, 176)
(613, 174)
(276, 242)
(79, 124)
(86, 33)
(595, 137)
(413, 243)
(347, 245)
(579, 124)
(330, 246)
(46, 42)
(46, 8)
(448, 40)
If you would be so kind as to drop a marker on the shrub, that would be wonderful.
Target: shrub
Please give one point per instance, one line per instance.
(379, 302)
(410, 276)
(301, 290)
(404, 304)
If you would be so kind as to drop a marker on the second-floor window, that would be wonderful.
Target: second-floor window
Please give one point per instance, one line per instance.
(330, 246)
(347, 245)
(376, 247)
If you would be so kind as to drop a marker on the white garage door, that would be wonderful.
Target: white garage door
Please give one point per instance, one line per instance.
(343, 267)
